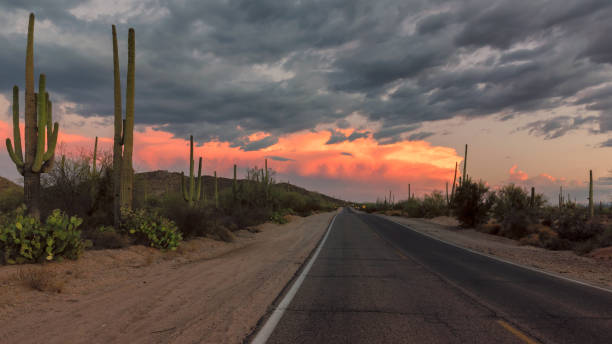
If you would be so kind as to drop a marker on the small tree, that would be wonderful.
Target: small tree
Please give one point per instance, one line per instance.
(471, 203)
(514, 210)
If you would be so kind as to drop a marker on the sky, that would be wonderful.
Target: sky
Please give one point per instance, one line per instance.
(352, 98)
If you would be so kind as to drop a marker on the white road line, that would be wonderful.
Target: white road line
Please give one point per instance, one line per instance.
(502, 260)
(265, 332)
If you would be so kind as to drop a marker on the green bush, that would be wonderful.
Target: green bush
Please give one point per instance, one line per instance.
(471, 203)
(23, 239)
(280, 216)
(434, 205)
(412, 207)
(150, 228)
(512, 208)
(106, 237)
(573, 224)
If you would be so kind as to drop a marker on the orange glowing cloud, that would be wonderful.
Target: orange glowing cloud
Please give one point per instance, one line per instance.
(362, 161)
(516, 174)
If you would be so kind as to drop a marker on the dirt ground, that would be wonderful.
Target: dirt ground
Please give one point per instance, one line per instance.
(206, 292)
(596, 271)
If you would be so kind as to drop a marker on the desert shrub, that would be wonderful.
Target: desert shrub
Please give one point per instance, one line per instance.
(10, 199)
(489, 228)
(471, 203)
(292, 200)
(72, 186)
(434, 205)
(601, 238)
(23, 239)
(191, 221)
(573, 224)
(412, 207)
(512, 208)
(38, 278)
(280, 217)
(106, 237)
(150, 228)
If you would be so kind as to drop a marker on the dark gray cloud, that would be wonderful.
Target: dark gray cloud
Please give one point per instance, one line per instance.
(248, 146)
(227, 69)
(557, 126)
(279, 158)
(337, 136)
(420, 136)
(346, 153)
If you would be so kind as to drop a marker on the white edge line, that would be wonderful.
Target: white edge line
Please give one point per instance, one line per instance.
(265, 332)
(500, 259)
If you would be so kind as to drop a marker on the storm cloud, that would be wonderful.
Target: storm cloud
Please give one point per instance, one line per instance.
(224, 70)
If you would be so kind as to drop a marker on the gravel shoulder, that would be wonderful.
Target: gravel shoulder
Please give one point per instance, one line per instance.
(206, 292)
(563, 263)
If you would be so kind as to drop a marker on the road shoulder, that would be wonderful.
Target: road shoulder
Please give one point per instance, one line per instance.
(561, 263)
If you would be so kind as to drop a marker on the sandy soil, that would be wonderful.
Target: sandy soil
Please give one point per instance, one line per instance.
(564, 263)
(207, 292)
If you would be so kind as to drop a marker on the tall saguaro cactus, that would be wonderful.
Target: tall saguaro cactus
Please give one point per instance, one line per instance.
(123, 143)
(193, 193)
(591, 209)
(454, 184)
(216, 191)
(464, 175)
(40, 134)
(234, 186)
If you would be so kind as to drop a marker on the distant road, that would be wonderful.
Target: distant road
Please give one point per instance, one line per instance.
(375, 281)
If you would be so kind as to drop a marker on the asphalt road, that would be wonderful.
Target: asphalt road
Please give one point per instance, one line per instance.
(375, 281)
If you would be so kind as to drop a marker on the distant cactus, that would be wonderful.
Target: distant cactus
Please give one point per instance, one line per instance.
(38, 114)
(94, 175)
(234, 186)
(447, 198)
(409, 192)
(454, 183)
(216, 191)
(123, 143)
(532, 202)
(193, 193)
(465, 163)
(95, 158)
(591, 209)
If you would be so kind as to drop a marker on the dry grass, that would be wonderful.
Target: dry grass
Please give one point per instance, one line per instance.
(41, 279)
(224, 234)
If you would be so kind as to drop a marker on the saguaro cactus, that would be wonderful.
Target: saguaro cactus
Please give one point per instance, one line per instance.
(234, 186)
(464, 176)
(95, 158)
(532, 202)
(94, 175)
(38, 116)
(123, 143)
(447, 198)
(216, 191)
(591, 209)
(194, 192)
(409, 191)
(454, 183)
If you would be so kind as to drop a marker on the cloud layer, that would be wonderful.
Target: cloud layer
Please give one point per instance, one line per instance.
(224, 70)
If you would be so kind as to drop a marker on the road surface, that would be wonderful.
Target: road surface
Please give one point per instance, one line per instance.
(375, 281)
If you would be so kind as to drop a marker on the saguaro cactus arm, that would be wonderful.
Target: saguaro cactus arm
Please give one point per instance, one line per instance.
(16, 153)
(51, 137)
(198, 195)
(95, 157)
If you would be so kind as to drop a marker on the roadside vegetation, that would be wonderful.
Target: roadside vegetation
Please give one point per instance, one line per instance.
(513, 212)
(70, 203)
